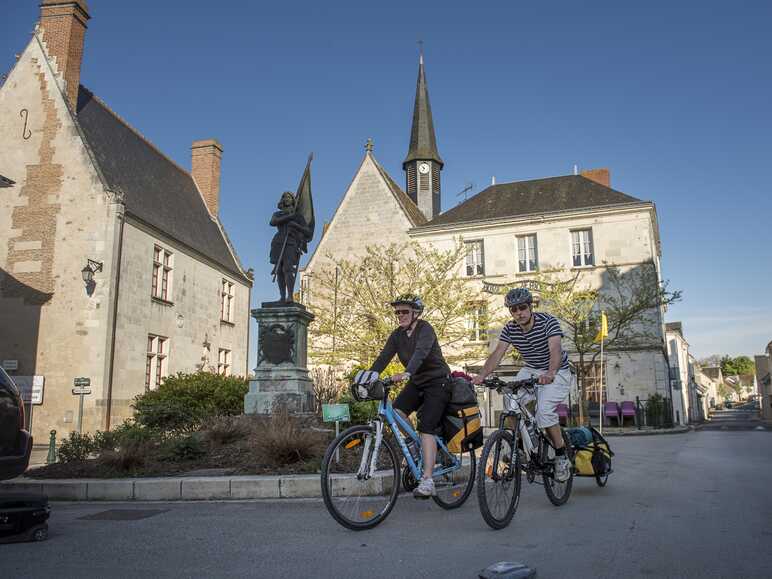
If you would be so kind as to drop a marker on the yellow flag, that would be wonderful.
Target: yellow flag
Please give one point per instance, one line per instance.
(603, 332)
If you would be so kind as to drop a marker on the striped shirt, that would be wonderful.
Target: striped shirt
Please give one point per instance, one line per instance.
(533, 345)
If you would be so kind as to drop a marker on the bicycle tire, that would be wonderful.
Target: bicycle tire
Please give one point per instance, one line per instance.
(464, 493)
(327, 491)
(511, 484)
(549, 479)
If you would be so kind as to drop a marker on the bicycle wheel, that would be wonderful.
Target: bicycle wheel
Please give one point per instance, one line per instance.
(498, 479)
(558, 492)
(354, 502)
(455, 487)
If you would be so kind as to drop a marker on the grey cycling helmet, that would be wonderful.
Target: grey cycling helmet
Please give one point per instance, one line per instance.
(412, 300)
(517, 296)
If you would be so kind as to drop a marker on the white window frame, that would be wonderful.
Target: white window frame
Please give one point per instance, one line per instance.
(583, 241)
(477, 332)
(474, 264)
(163, 274)
(531, 253)
(224, 361)
(157, 361)
(227, 300)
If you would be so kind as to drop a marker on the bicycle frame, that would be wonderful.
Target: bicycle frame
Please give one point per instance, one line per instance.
(397, 424)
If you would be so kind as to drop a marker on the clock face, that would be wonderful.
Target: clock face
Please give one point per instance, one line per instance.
(423, 168)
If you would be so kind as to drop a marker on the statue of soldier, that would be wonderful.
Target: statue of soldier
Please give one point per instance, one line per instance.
(291, 240)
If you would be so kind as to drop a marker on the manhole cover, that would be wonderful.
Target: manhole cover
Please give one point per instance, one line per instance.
(123, 515)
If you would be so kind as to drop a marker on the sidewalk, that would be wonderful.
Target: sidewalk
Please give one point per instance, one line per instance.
(643, 431)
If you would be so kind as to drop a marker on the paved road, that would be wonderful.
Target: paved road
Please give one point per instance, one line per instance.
(690, 505)
(744, 417)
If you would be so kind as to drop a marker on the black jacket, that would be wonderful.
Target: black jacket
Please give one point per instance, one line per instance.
(419, 353)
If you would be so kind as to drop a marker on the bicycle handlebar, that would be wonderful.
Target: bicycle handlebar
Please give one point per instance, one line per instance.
(494, 382)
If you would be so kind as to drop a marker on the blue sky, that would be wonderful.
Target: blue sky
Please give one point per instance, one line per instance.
(673, 97)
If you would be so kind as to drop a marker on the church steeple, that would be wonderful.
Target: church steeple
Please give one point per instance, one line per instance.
(423, 163)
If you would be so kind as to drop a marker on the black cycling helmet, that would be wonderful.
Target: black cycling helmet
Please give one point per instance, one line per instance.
(517, 296)
(412, 300)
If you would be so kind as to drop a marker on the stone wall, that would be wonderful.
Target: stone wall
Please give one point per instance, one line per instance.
(190, 319)
(52, 221)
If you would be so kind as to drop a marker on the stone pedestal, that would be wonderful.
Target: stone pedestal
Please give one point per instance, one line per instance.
(281, 375)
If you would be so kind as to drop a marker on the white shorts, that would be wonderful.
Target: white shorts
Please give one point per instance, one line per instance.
(548, 396)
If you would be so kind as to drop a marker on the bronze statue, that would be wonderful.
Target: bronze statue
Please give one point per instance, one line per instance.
(295, 223)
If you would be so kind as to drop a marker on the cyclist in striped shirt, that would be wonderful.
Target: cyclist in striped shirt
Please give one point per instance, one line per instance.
(537, 336)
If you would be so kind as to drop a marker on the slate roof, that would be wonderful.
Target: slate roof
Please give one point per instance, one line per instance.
(154, 188)
(6, 182)
(408, 206)
(538, 196)
(423, 144)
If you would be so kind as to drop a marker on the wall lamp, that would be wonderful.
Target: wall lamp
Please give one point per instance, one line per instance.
(91, 268)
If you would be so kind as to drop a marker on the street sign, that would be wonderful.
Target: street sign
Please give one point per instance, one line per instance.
(81, 382)
(336, 413)
(10, 365)
(81, 390)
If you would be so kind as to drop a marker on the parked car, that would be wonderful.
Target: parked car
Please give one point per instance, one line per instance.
(15, 441)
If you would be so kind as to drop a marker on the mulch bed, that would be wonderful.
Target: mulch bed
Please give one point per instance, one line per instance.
(259, 446)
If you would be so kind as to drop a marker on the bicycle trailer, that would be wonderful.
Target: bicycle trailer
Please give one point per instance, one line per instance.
(593, 453)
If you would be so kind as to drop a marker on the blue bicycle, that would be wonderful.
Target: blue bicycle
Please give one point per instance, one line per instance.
(361, 470)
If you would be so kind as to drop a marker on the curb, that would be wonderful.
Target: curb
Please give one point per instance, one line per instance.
(675, 430)
(169, 488)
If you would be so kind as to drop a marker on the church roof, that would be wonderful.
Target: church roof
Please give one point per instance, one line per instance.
(408, 206)
(423, 143)
(154, 188)
(553, 194)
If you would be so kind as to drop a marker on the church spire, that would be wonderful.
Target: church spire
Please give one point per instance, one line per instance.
(423, 163)
(423, 143)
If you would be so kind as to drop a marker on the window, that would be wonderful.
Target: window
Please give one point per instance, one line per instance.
(474, 258)
(155, 366)
(227, 301)
(162, 274)
(591, 376)
(527, 256)
(224, 362)
(581, 245)
(476, 323)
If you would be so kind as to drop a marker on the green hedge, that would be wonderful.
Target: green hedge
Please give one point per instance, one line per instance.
(184, 401)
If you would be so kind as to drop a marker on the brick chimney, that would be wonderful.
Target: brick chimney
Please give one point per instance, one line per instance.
(205, 168)
(601, 176)
(63, 26)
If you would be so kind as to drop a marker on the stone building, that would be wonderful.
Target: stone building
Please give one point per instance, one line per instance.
(512, 230)
(764, 377)
(114, 265)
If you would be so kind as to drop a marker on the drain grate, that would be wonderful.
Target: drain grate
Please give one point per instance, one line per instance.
(123, 515)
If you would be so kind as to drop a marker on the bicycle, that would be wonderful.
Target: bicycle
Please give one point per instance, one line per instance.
(361, 472)
(510, 451)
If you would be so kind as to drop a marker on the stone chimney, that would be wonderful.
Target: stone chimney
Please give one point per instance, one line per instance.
(205, 169)
(601, 176)
(63, 26)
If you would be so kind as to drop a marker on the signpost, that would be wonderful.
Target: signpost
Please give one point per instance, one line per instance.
(336, 413)
(82, 388)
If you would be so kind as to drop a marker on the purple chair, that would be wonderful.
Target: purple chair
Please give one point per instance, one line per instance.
(611, 410)
(563, 414)
(628, 411)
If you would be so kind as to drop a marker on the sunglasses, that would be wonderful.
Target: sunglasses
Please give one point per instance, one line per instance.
(519, 308)
(401, 312)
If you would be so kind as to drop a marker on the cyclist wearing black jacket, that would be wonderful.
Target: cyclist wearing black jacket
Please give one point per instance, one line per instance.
(416, 345)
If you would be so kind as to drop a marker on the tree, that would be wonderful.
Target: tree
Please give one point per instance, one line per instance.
(710, 361)
(350, 299)
(630, 299)
(737, 366)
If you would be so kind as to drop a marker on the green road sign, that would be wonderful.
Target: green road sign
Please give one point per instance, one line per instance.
(335, 413)
(80, 382)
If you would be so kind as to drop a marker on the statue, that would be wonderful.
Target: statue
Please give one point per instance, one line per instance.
(295, 223)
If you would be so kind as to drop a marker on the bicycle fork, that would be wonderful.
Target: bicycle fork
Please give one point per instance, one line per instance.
(370, 453)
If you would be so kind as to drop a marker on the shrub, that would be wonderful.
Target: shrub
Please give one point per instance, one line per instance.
(77, 447)
(131, 455)
(225, 429)
(188, 447)
(184, 401)
(283, 440)
(327, 387)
